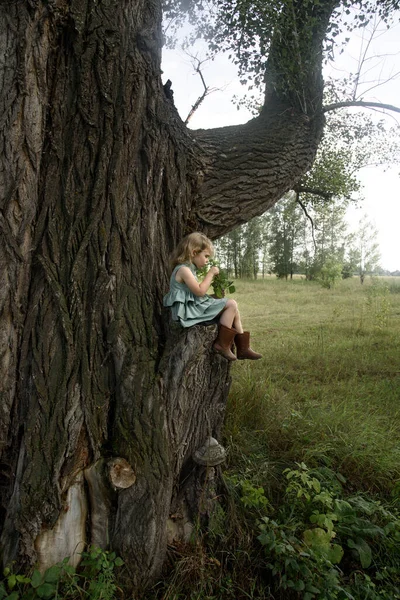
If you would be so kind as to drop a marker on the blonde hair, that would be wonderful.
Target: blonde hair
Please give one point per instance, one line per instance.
(190, 245)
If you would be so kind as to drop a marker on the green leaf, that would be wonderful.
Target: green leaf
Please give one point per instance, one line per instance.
(317, 539)
(335, 554)
(119, 562)
(363, 550)
(12, 580)
(299, 585)
(46, 590)
(316, 485)
(36, 579)
(53, 574)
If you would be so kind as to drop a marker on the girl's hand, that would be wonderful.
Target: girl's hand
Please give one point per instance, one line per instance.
(214, 271)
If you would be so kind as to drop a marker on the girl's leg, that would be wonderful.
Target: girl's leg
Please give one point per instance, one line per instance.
(232, 330)
(226, 334)
(230, 317)
(237, 323)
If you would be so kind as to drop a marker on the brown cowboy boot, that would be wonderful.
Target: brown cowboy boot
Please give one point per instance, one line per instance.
(243, 350)
(223, 343)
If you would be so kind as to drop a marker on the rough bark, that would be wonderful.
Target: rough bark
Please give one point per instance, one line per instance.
(257, 151)
(99, 179)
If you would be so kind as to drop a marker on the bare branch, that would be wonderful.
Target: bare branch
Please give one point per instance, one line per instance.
(197, 67)
(316, 192)
(299, 202)
(359, 78)
(380, 83)
(196, 105)
(363, 56)
(346, 103)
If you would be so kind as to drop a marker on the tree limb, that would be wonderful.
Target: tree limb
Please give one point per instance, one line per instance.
(196, 105)
(346, 103)
(315, 191)
(206, 92)
(299, 202)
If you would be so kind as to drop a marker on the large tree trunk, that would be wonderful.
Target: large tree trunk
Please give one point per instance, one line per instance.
(99, 179)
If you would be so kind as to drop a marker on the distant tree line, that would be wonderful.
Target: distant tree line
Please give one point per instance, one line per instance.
(287, 241)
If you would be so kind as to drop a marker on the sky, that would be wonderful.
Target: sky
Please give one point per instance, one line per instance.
(380, 185)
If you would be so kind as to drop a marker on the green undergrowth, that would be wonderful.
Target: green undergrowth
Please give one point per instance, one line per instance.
(310, 509)
(315, 540)
(94, 579)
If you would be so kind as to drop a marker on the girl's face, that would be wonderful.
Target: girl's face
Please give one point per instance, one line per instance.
(200, 258)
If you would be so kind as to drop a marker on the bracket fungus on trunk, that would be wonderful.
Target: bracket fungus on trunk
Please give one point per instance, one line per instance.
(210, 454)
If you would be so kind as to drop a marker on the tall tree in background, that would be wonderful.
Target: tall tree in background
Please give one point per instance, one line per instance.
(229, 249)
(99, 179)
(286, 224)
(364, 252)
(251, 254)
(241, 250)
(330, 232)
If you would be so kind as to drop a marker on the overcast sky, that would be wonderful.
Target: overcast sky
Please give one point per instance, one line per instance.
(381, 188)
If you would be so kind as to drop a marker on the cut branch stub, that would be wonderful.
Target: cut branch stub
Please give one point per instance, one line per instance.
(121, 474)
(210, 454)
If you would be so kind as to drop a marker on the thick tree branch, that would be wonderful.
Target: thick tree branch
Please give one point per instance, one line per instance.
(347, 103)
(248, 168)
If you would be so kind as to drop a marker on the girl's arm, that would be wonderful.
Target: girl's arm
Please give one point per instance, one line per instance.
(185, 275)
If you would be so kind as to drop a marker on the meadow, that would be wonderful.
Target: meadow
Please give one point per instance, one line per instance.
(328, 387)
(310, 503)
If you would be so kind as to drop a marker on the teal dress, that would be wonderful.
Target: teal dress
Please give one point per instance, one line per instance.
(187, 308)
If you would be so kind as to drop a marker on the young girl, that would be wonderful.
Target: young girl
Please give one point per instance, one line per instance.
(191, 305)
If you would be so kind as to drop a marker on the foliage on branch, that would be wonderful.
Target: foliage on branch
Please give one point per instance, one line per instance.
(352, 141)
(245, 29)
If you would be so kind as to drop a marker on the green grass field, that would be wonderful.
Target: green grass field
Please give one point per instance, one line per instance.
(327, 390)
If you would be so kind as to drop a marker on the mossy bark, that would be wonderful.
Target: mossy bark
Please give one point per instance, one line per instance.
(99, 179)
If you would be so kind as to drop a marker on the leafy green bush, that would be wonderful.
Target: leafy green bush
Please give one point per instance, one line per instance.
(329, 273)
(316, 530)
(251, 496)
